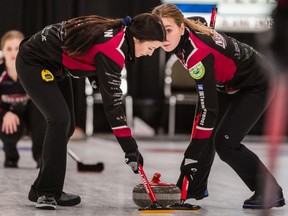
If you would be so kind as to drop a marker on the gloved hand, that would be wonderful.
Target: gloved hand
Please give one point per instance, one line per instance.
(189, 167)
(133, 159)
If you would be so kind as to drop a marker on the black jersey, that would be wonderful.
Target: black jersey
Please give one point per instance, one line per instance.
(102, 64)
(219, 63)
(12, 96)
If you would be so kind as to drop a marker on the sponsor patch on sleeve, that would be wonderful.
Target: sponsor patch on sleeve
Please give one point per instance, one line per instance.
(200, 87)
(197, 71)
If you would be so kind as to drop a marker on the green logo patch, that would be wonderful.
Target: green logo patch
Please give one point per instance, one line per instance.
(197, 71)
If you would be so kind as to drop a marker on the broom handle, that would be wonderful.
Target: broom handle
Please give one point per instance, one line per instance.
(73, 155)
(185, 185)
(146, 184)
(213, 17)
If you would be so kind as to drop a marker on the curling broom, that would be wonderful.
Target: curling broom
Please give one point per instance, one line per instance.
(182, 206)
(81, 167)
(155, 207)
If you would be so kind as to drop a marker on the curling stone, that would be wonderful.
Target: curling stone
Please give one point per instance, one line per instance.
(166, 193)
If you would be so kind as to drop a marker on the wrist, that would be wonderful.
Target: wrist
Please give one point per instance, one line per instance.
(128, 144)
(2, 113)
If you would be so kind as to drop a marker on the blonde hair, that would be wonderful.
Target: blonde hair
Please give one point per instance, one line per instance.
(11, 35)
(171, 11)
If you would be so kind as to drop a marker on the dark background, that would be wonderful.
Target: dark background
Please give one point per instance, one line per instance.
(145, 78)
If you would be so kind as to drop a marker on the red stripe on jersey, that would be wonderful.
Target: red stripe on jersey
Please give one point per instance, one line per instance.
(224, 67)
(122, 132)
(197, 119)
(201, 134)
(75, 63)
(110, 48)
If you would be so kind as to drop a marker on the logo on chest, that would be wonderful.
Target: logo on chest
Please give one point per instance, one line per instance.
(197, 71)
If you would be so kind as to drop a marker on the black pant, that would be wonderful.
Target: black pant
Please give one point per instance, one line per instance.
(55, 101)
(80, 105)
(237, 115)
(32, 121)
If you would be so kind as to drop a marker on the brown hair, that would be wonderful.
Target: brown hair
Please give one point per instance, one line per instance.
(81, 32)
(171, 11)
(11, 35)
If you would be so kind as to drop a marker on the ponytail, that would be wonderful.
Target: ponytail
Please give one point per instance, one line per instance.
(81, 32)
(198, 26)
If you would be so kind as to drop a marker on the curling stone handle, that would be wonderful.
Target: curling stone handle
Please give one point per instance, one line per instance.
(157, 182)
(156, 178)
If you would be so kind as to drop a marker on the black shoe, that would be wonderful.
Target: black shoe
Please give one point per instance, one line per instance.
(10, 164)
(66, 199)
(257, 202)
(46, 202)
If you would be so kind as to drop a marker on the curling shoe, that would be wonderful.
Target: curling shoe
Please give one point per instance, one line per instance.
(46, 202)
(257, 202)
(66, 199)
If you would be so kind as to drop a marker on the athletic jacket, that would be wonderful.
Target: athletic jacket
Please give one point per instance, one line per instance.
(12, 95)
(219, 63)
(102, 64)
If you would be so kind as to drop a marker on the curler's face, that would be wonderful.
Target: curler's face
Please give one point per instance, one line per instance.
(10, 50)
(173, 34)
(146, 48)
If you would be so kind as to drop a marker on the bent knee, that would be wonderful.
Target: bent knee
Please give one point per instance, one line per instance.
(59, 121)
(226, 145)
